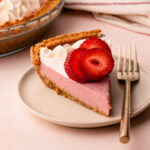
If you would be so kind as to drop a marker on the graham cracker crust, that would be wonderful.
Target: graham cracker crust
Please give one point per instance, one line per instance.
(60, 40)
(51, 43)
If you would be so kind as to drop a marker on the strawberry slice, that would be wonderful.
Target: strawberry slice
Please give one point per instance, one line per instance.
(94, 42)
(72, 68)
(96, 63)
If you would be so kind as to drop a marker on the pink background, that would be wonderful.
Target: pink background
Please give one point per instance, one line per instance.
(21, 130)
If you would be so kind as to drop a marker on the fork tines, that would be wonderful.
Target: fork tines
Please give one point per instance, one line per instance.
(128, 68)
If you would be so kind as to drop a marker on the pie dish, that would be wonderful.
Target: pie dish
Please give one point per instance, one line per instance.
(92, 95)
(22, 25)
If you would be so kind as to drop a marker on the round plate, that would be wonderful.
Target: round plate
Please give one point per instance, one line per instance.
(45, 103)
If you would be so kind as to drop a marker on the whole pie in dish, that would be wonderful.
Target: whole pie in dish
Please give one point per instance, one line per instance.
(22, 22)
(15, 12)
(77, 66)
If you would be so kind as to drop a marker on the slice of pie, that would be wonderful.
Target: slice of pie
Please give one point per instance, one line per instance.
(76, 66)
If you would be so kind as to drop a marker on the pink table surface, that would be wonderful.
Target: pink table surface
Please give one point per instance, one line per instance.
(21, 130)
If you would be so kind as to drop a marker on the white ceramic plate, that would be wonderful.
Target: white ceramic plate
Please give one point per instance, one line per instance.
(45, 103)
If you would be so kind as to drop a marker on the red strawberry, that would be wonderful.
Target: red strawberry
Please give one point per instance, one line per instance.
(94, 42)
(96, 63)
(72, 67)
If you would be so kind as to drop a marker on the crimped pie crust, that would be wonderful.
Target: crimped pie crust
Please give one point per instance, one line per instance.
(47, 5)
(51, 43)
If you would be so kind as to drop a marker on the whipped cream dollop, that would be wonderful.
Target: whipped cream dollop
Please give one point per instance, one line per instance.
(55, 58)
(10, 10)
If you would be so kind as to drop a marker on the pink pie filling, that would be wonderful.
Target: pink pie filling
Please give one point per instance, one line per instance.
(94, 94)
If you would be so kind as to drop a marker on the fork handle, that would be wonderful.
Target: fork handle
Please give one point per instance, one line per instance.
(125, 117)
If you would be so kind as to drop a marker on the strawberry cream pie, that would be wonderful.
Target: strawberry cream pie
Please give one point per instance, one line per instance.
(77, 67)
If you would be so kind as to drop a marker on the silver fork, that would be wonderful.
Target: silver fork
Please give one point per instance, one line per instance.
(128, 71)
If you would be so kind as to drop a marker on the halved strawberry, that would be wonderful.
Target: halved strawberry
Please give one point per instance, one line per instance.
(96, 63)
(72, 68)
(94, 42)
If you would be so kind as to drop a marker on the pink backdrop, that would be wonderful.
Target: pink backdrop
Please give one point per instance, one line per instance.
(21, 130)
